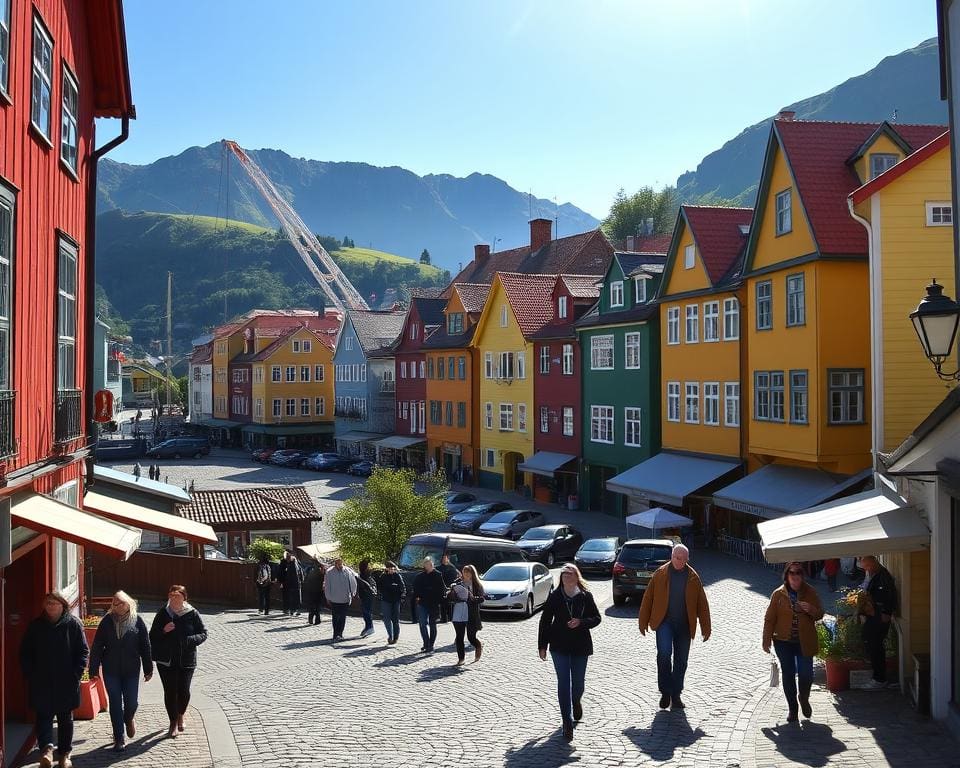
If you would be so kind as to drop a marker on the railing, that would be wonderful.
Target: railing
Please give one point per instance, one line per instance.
(388, 385)
(348, 413)
(8, 440)
(69, 424)
(749, 551)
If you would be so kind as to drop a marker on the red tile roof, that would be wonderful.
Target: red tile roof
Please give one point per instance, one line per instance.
(581, 286)
(651, 244)
(472, 295)
(202, 354)
(530, 298)
(817, 153)
(251, 505)
(717, 233)
(871, 187)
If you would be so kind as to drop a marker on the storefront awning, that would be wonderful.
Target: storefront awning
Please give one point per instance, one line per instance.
(288, 429)
(166, 491)
(45, 515)
(359, 437)
(868, 523)
(225, 423)
(669, 477)
(398, 442)
(162, 522)
(776, 490)
(545, 463)
(320, 551)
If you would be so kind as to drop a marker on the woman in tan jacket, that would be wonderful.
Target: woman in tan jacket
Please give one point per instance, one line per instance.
(790, 623)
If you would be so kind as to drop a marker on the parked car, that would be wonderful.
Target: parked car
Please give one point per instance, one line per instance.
(288, 457)
(457, 501)
(262, 455)
(516, 588)
(550, 543)
(635, 564)
(598, 555)
(512, 523)
(180, 447)
(471, 518)
(329, 462)
(361, 468)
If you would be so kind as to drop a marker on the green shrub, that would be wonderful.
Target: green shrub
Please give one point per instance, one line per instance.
(271, 549)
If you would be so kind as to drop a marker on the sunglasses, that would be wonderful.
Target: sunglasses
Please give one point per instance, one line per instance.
(795, 573)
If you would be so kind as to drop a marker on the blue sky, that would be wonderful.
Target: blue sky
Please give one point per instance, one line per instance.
(568, 99)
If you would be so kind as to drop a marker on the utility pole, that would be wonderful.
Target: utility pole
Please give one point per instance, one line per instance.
(169, 332)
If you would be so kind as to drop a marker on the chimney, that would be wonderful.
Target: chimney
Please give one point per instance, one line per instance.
(541, 233)
(480, 253)
(786, 114)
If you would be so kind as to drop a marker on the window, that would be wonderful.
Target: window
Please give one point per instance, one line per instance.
(505, 368)
(631, 427)
(784, 212)
(348, 342)
(304, 373)
(691, 412)
(568, 359)
(422, 413)
(689, 257)
(462, 368)
(69, 136)
(731, 404)
(673, 325)
(544, 419)
(880, 162)
(545, 359)
(257, 407)
(601, 353)
(673, 401)
(488, 365)
(798, 397)
(414, 330)
(413, 369)
(283, 537)
(939, 214)
(4, 46)
(631, 350)
(413, 414)
(291, 409)
(42, 80)
(506, 417)
(568, 421)
(693, 323)
(522, 417)
(711, 321)
(731, 319)
(436, 412)
(6, 280)
(504, 317)
(521, 365)
(422, 368)
(319, 406)
(65, 559)
(639, 290)
(429, 367)
(441, 369)
(455, 323)
(451, 367)
(196, 373)
(764, 305)
(616, 294)
(761, 403)
(257, 374)
(796, 305)
(403, 369)
(291, 373)
(488, 415)
(276, 407)
(601, 424)
(491, 458)
(221, 376)
(448, 413)
(306, 345)
(304, 406)
(562, 307)
(461, 414)
(846, 396)
(295, 345)
(776, 396)
(66, 316)
(711, 403)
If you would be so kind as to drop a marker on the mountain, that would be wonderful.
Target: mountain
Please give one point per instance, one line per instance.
(391, 209)
(907, 84)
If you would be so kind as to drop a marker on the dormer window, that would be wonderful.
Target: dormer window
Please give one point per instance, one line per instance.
(688, 257)
(640, 290)
(562, 307)
(880, 162)
(414, 330)
(455, 323)
(503, 316)
(784, 212)
(616, 294)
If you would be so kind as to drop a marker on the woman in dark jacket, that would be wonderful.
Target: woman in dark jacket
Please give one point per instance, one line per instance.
(565, 623)
(392, 590)
(123, 647)
(313, 592)
(176, 632)
(53, 655)
(367, 589)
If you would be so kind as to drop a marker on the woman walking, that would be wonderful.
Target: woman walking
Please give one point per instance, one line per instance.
(367, 589)
(392, 591)
(313, 592)
(466, 595)
(176, 632)
(790, 622)
(123, 647)
(565, 623)
(53, 655)
(264, 582)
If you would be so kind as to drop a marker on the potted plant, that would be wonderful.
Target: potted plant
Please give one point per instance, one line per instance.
(90, 624)
(841, 638)
(91, 702)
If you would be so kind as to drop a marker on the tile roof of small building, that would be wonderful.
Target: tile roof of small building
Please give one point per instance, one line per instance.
(251, 505)
(443, 340)
(202, 354)
(582, 286)
(430, 309)
(377, 329)
(632, 261)
(718, 235)
(530, 297)
(652, 244)
(892, 174)
(472, 295)
(635, 314)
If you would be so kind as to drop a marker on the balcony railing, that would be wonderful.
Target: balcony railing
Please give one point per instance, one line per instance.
(69, 424)
(8, 441)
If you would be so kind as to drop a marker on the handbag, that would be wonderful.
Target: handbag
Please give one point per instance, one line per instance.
(774, 674)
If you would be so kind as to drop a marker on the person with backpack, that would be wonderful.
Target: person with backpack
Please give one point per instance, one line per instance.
(313, 592)
(392, 591)
(264, 582)
(367, 589)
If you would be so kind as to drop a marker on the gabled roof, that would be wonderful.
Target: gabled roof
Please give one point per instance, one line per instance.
(376, 329)
(652, 244)
(472, 295)
(581, 286)
(530, 298)
(251, 505)
(443, 340)
(430, 309)
(636, 314)
(891, 174)
(718, 235)
(202, 354)
(632, 262)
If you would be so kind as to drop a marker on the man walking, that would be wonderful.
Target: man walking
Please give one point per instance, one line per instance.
(880, 586)
(290, 576)
(429, 590)
(672, 604)
(339, 587)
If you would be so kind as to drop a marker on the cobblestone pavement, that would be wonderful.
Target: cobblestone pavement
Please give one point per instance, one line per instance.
(290, 697)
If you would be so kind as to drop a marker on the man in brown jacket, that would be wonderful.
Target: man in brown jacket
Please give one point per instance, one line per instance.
(672, 603)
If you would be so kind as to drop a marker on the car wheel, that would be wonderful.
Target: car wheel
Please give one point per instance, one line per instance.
(528, 611)
(619, 599)
(551, 559)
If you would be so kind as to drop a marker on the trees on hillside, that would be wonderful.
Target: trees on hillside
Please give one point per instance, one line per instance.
(630, 214)
(425, 257)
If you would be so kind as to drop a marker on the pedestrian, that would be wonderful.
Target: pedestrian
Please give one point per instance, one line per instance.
(672, 603)
(450, 576)
(392, 591)
(122, 646)
(137, 470)
(290, 576)
(176, 632)
(429, 591)
(264, 583)
(831, 568)
(568, 615)
(53, 655)
(790, 623)
(339, 587)
(313, 592)
(367, 589)
(467, 594)
(877, 615)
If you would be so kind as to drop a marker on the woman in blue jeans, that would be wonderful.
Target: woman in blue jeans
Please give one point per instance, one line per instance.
(565, 623)
(392, 590)
(122, 646)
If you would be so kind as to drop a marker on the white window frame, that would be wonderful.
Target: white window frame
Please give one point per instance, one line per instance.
(568, 421)
(521, 417)
(5, 14)
(544, 419)
(691, 402)
(295, 346)
(422, 411)
(935, 210)
(348, 342)
(290, 374)
(290, 407)
(42, 78)
(504, 317)
(689, 256)
(731, 319)
(731, 404)
(796, 299)
(277, 406)
(711, 321)
(304, 406)
(403, 369)
(602, 353)
(567, 358)
(69, 120)
(673, 325)
(878, 159)
(491, 458)
(66, 560)
(282, 536)
(305, 373)
(691, 323)
(320, 406)
(632, 436)
(711, 403)
(521, 365)
(601, 424)
(306, 345)
(784, 212)
(544, 359)
(616, 293)
(631, 343)
(488, 415)
(562, 307)
(258, 408)
(640, 290)
(673, 401)
(506, 417)
(488, 365)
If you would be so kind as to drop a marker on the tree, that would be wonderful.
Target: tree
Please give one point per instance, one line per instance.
(425, 257)
(386, 511)
(629, 213)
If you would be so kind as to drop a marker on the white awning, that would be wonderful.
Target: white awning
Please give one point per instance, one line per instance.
(141, 484)
(867, 523)
(45, 515)
(545, 463)
(322, 551)
(398, 442)
(142, 517)
(669, 477)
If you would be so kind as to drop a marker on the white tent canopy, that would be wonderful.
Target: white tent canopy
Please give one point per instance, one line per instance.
(658, 517)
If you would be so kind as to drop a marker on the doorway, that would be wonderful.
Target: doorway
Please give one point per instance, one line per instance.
(511, 478)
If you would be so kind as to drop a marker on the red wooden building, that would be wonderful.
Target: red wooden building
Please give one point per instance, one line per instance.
(62, 64)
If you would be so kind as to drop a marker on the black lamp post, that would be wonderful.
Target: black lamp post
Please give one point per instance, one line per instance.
(935, 320)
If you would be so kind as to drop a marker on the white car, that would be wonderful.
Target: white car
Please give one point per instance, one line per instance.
(516, 587)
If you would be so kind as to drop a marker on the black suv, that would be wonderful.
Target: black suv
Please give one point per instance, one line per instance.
(180, 446)
(635, 564)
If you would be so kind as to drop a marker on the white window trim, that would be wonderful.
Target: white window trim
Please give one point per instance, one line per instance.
(930, 205)
(671, 385)
(626, 347)
(686, 323)
(616, 293)
(673, 320)
(594, 344)
(728, 397)
(599, 413)
(689, 256)
(714, 305)
(788, 209)
(626, 427)
(716, 387)
(562, 307)
(735, 303)
(640, 290)
(686, 397)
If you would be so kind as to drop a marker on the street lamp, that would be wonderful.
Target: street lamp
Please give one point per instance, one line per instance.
(935, 320)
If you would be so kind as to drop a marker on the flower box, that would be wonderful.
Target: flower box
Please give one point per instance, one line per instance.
(90, 704)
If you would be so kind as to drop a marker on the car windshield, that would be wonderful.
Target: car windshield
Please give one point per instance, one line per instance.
(507, 572)
(476, 509)
(412, 554)
(642, 553)
(537, 534)
(501, 517)
(599, 545)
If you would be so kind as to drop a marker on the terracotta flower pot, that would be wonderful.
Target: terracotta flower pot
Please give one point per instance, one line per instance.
(838, 672)
(89, 633)
(90, 704)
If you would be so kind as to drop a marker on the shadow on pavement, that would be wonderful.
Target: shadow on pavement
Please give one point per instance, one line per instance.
(550, 751)
(810, 744)
(366, 651)
(669, 731)
(400, 661)
(441, 672)
(307, 644)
